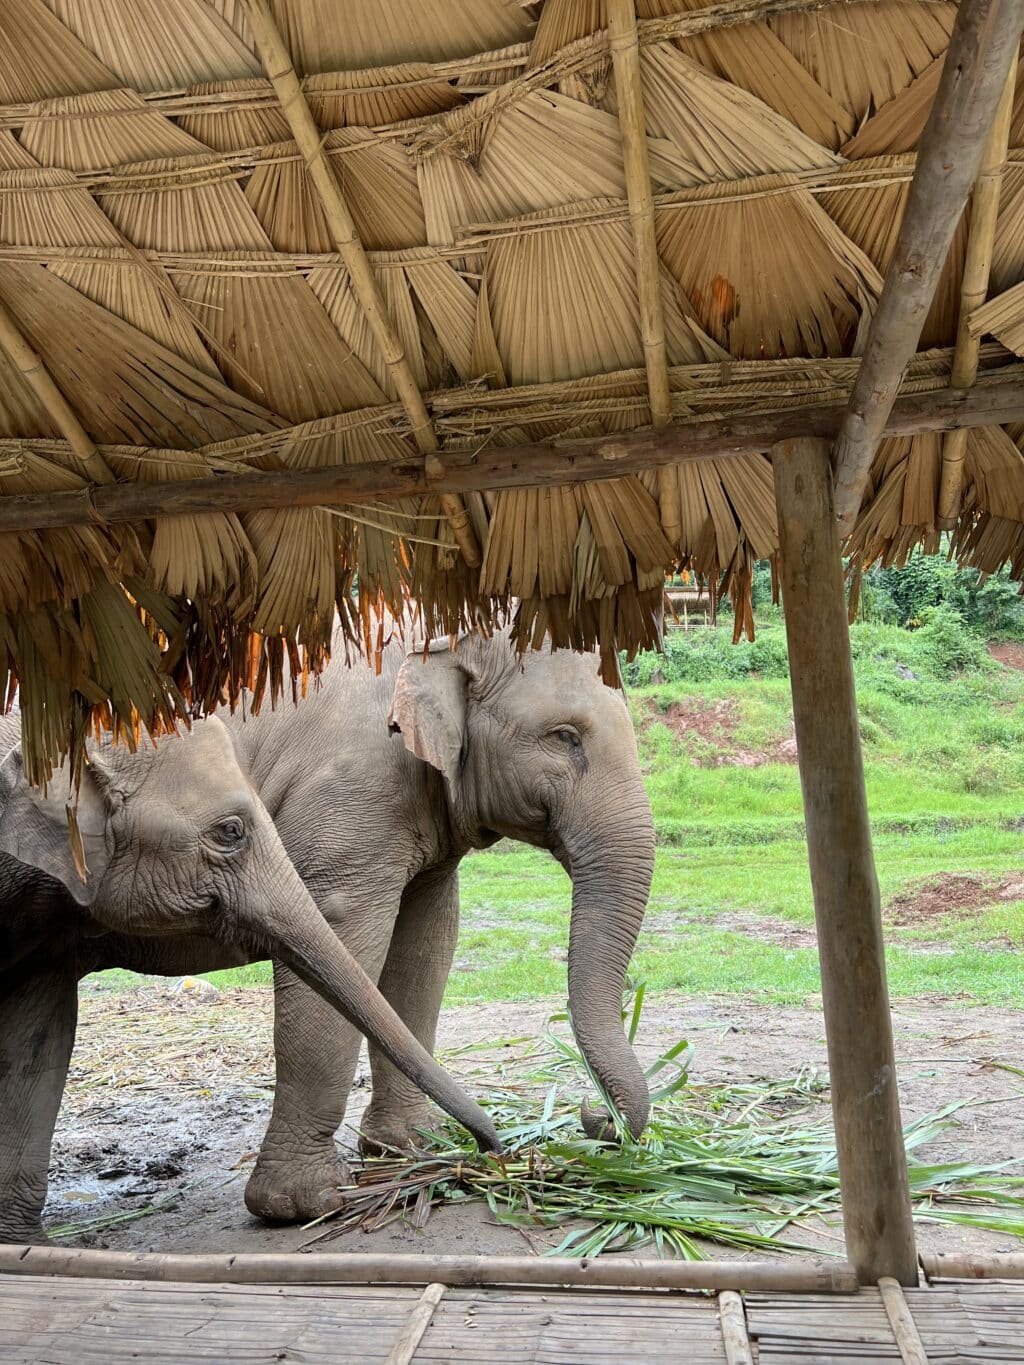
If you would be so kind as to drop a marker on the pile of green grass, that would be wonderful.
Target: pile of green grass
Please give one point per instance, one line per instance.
(749, 1166)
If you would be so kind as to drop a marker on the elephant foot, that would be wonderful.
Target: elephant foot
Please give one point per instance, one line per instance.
(385, 1134)
(31, 1233)
(297, 1189)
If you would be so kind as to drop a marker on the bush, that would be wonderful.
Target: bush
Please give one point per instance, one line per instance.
(902, 597)
(951, 643)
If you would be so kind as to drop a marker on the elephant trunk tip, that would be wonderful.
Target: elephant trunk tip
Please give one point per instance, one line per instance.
(599, 1125)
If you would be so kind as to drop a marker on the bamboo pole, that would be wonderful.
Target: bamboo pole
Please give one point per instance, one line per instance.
(277, 64)
(415, 1326)
(733, 1321)
(974, 292)
(31, 368)
(796, 1273)
(984, 40)
(993, 400)
(625, 48)
(865, 1104)
(901, 1320)
(956, 1265)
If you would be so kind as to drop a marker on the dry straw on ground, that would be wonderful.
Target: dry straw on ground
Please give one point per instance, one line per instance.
(181, 306)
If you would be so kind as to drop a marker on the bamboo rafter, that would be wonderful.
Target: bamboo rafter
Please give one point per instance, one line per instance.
(984, 42)
(974, 291)
(625, 50)
(281, 74)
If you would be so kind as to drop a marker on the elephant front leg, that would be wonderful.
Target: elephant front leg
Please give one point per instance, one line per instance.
(413, 982)
(38, 1015)
(299, 1168)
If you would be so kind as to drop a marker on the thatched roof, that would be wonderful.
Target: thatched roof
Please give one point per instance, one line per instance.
(179, 303)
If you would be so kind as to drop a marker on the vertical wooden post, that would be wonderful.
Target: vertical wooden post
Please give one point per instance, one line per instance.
(865, 1103)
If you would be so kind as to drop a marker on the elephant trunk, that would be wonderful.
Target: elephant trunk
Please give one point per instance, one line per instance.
(299, 936)
(611, 869)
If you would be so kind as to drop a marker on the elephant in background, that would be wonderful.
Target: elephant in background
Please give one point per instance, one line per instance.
(186, 872)
(379, 786)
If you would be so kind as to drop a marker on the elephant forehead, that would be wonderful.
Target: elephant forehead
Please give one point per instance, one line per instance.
(198, 771)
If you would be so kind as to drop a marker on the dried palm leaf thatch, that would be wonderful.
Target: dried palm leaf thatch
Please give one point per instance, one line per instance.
(41, 57)
(253, 317)
(1008, 248)
(228, 115)
(385, 94)
(751, 57)
(1003, 318)
(729, 258)
(102, 129)
(57, 565)
(123, 385)
(722, 130)
(155, 209)
(334, 291)
(205, 557)
(870, 216)
(990, 533)
(450, 305)
(96, 659)
(864, 56)
(141, 294)
(43, 206)
(899, 123)
(158, 44)
(376, 177)
(539, 151)
(350, 36)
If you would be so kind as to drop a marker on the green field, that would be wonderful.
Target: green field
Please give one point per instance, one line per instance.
(730, 912)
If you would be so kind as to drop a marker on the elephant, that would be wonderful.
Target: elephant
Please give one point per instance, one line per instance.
(184, 871)
(379, 784)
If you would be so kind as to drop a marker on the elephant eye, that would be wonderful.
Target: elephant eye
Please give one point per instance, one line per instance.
(570, 737)
(229, 833)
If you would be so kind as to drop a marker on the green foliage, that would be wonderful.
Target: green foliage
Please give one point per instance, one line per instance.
(708, 655)
(991, 607)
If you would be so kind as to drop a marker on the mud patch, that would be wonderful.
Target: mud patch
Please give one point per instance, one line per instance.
(953, 893)
(1009, 654)
(707, 729)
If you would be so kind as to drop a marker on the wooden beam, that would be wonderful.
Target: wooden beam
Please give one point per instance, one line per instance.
(984, 40)
(862, 1069)
(974, 291)
(35, 374)
(818, 1275)
(996, 398)
(901, 1320)
(625, 47)
(277, 64)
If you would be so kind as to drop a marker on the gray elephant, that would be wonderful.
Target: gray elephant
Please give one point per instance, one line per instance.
(185, 872)
(378, 786)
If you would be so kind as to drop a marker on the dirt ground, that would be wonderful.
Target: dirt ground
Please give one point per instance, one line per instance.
(169, 1094)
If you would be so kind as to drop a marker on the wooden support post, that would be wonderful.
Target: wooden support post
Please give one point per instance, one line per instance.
(984, 42)
(31, 368)
(277, 63)
(865, 1103)
(973, 293)
(622, 33)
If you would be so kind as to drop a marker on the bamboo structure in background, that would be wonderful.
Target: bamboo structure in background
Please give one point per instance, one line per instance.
(974, 292)
(622, 33)
(281, 73)
(984, 42)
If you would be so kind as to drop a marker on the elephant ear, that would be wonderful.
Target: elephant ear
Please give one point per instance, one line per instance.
(36, 829)
(428, 709)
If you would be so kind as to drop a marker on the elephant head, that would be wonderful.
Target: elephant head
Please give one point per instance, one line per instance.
(175, 842)
(539, 749)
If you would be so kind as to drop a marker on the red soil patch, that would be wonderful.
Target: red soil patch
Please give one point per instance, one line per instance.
(953, 893)
(1011, 655)
(708, 730)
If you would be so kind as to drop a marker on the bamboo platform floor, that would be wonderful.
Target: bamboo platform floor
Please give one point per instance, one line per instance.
(51, 1320)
